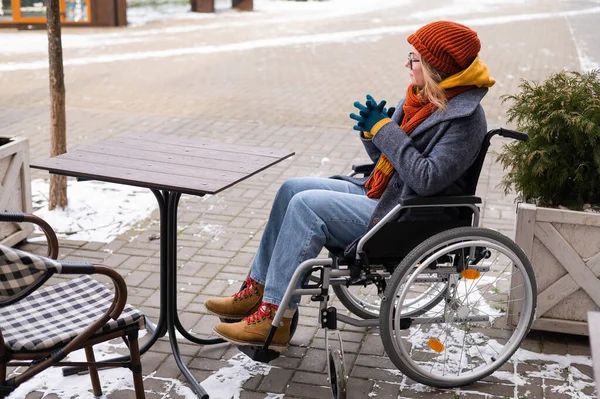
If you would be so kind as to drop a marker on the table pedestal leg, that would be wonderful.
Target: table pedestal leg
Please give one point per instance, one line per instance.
(168, 320)
(169, 217)
(172, 200)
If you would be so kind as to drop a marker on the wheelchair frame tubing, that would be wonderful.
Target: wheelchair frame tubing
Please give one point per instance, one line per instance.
(328, 274)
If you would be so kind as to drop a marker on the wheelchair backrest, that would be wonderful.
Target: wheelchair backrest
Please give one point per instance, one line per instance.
(471, 176)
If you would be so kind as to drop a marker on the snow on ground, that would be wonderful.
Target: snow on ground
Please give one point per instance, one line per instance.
(273, 12)
(464, 7)
(225, 383)
(265, 11)
(96, 212)
(560, 372)
(37, 42)
(52, 382)
(295, 10)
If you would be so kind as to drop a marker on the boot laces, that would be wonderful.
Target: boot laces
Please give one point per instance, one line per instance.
(248, 291)
(263, 312)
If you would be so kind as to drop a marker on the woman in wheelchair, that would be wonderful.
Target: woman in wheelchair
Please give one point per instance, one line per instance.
(423, 147)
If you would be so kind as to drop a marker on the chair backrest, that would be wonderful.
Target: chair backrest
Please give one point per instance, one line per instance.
(21, 273)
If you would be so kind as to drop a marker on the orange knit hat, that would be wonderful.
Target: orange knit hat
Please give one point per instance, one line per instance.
(448, 46)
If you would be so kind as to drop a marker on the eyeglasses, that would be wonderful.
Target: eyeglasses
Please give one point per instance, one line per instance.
(411, 60)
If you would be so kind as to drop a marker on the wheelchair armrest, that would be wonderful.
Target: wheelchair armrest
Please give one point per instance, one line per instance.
(41, 223)
(434, 201)
(363, 168)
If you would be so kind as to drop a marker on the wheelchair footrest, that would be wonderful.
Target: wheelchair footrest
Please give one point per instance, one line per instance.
(258, 354)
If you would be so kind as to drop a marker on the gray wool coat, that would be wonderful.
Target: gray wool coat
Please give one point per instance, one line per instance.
(431, 161)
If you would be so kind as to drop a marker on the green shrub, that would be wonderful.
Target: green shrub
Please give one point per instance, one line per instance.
(560, 163)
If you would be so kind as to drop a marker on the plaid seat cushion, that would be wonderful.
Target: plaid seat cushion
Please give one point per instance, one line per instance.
(54, 315)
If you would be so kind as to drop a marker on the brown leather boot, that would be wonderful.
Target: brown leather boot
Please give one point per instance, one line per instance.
(240, 305)
(253, 330)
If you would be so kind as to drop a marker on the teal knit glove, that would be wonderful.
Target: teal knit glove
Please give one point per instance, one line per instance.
(369, 114)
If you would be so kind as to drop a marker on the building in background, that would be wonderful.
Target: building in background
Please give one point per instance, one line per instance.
(32, 13)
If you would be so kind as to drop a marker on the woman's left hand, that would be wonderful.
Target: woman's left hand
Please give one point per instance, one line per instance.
(369, 114)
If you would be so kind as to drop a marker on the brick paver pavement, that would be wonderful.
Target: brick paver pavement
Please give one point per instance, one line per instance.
(275, 80)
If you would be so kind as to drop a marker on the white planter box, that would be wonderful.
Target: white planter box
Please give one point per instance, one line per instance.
(15, 187)
(564, 249)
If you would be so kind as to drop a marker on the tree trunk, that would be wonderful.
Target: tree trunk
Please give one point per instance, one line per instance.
(58, 125)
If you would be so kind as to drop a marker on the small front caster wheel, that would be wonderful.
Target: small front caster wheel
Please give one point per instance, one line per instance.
(337, 375)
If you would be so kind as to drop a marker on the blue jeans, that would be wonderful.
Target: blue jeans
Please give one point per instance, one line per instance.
(307, 214)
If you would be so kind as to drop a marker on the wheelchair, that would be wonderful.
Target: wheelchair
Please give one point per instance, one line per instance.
(452, 300)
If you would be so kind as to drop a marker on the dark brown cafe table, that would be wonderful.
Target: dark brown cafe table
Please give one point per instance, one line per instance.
(169, 166)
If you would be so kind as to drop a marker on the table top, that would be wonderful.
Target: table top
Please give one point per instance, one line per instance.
(179, 164)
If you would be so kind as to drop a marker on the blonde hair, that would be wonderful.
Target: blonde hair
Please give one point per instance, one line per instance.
(432, 92)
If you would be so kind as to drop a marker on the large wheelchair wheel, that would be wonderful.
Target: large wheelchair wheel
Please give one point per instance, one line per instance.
(487, 308)
(364, 301)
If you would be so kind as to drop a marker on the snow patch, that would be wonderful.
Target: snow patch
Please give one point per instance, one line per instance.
(465, 7)
(52, 382)
(36, 42)
(96, 211)
(210, 230)
(227, 382)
